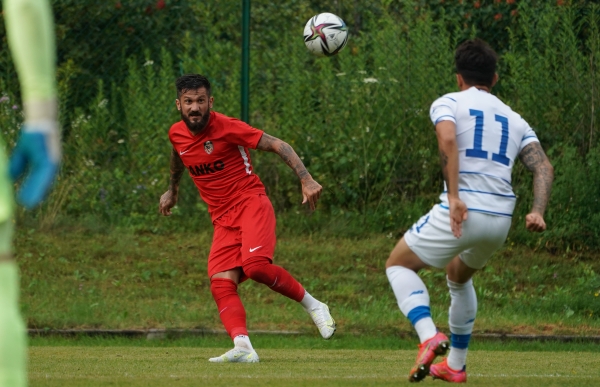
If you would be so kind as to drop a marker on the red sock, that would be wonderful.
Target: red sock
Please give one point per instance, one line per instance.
(261, 270)
(231, 309)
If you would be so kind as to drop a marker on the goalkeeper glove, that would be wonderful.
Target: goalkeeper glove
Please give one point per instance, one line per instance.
(38, 150)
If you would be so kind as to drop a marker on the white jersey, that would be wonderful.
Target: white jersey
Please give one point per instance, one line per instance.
(489, 136)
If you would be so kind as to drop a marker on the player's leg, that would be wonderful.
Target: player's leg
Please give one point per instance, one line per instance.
(225, 274)
(461, 317)
(488, 234)
(223, 287)
(410, 291)
(30, 31)
(428, 243)
(262, 270)
(13, 339)
(413, 299)
(258, 245)
(462, 313)
(13, 336)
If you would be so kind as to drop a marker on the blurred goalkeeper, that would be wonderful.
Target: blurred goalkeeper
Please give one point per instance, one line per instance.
(214, 149)
(30, 31)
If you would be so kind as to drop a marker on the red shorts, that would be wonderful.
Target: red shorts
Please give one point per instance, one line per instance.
(245, 231)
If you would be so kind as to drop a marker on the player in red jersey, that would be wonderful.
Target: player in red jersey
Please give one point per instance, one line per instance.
(214, 149)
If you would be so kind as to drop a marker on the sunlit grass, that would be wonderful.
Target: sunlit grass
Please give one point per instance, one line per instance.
(187, 366)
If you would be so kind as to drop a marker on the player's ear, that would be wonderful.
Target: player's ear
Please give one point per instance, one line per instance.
(459, 81)
(495, 79)
(178, 104)
(210, 102)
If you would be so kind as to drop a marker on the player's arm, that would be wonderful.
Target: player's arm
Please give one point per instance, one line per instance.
(37, 154)
(448, 149)
(311, 190)
(169, 198)
(534, 158)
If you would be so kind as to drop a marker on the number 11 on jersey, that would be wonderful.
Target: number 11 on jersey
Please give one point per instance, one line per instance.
(477, 150)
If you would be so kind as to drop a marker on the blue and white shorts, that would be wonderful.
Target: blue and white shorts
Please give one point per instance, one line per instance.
(431, 238)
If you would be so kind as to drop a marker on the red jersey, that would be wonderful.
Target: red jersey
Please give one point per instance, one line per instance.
(218, 160)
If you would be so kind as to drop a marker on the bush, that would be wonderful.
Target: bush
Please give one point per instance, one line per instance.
(359, 120)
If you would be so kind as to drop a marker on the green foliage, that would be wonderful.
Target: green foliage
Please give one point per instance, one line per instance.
(574, 215)
(369, 144)
(358, 120)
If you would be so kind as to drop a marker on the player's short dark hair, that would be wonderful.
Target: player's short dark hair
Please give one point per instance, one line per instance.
(192, 82)
(476, 62)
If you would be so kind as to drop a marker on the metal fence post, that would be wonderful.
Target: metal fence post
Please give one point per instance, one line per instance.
(245, 58)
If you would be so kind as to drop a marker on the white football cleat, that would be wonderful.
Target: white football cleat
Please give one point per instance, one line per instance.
(323, 320)
(236, 355)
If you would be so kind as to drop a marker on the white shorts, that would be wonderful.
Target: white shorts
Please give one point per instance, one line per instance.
(432, 240)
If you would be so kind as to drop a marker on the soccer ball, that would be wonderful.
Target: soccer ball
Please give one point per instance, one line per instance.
(325, 34)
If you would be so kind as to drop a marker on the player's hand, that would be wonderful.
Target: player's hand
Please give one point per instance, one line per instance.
(458, 214)
(167, 201)
(535, 222)
(38, 151)
(311, 191)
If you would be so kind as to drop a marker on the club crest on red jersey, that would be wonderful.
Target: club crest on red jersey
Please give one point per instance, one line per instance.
(208, 147)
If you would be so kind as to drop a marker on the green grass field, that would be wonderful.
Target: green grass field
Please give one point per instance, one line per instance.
(297, 361)
(120, 280)
(80, 279)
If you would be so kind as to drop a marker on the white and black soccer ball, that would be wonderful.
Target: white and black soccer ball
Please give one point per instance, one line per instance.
(325, 34)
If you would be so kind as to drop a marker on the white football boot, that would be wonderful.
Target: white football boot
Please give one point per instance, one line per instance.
(323, 320)
(236, 355)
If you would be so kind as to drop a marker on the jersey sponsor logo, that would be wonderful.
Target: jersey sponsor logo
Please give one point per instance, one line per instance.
(254, 249)
(184, 152)
(208, 147)
(206, 169)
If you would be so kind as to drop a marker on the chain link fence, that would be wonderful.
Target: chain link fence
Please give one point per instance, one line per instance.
(359, 120)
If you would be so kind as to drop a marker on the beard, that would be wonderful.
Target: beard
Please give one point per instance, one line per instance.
(198, 126)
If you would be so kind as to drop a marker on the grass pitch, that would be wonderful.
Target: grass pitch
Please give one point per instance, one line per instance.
(69, 364)
(119, 280)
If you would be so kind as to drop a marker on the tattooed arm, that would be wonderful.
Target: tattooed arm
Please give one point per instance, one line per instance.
(534, 158)
(311, 190)
(169, 198)
(446, 136)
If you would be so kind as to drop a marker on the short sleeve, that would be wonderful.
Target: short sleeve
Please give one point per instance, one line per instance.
(240, 133)
(528, 137)
(443, 109)
(175, 133)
